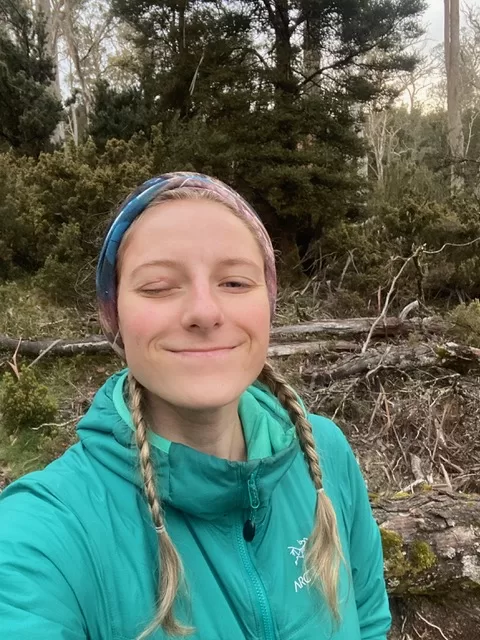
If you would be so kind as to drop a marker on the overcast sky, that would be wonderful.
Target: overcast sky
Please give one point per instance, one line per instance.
(434, 18)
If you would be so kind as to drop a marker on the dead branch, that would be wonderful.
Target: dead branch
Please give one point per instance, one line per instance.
(383, 313)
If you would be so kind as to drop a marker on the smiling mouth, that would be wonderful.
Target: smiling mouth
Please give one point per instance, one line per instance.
(205, 353)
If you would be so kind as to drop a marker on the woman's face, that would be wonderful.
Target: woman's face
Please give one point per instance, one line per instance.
(193, 306)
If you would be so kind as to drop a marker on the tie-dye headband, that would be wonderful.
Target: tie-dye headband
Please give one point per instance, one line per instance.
(134, 205)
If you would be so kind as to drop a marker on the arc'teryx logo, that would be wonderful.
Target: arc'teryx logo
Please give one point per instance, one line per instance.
(299, 554)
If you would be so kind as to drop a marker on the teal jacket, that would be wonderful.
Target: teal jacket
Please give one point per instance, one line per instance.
(78, 551)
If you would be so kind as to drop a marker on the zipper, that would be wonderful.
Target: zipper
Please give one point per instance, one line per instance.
(258, 586)
(250, 525)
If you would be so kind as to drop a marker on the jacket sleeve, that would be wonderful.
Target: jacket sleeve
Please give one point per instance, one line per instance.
(366, 559)
(37, 560)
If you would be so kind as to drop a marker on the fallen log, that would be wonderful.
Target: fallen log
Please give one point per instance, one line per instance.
(306, 348)
(92, 345)
(350, 327)
(431, 542)
(460, 358)
(356, 327)
(97, 345)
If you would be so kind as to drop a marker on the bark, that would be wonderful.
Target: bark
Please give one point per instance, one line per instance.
(352, 327)
(51, 16)
(431, 542)
(86, 346)
(312, 53)
(68, 31)
(305, 348)
(454, 357)
(452, 65)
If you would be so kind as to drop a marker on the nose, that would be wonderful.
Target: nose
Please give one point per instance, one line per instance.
(202, 309)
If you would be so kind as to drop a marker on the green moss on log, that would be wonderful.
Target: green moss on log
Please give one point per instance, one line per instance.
(422, 556)
(396, 564)
(403, 566)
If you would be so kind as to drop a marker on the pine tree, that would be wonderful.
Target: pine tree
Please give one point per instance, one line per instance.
(29, 109)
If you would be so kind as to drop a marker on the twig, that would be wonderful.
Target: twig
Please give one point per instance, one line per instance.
(416, 465)
(347, 264)
(402, 316)
(44, 352)
(412, 485)
(430, 624)
(451, 244)
(374, 412)
(59, 425)
(383, 313)
(377, 368)
(446, 476)
(453, 465)
(13, 364)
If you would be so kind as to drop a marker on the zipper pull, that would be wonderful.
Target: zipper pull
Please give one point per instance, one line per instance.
(249, 527)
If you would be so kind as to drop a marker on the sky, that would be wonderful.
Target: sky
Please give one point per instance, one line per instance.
(434, 18)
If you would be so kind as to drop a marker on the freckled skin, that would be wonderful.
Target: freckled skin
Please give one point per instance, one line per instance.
(198, 302)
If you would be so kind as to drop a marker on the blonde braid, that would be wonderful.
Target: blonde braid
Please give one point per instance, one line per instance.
(324, 549)
(171, 571)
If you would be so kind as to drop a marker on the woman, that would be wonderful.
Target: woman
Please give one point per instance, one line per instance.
(201, 499)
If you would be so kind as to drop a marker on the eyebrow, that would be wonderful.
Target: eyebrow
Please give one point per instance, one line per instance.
(227, 262)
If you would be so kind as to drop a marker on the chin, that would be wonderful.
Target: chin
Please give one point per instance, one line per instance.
(206, 397)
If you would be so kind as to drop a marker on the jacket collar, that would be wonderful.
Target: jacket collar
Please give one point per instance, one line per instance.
(191, 481)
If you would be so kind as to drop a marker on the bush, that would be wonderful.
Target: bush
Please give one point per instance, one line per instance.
(466, 323)
(25, 403)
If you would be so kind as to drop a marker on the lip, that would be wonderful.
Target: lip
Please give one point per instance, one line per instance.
(204, 353)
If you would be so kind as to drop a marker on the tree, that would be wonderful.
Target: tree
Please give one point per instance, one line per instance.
(452, 66)
(265, 92)
(30, 110)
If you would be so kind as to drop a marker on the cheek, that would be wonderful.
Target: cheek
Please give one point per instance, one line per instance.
(137, 320)
(256, 318)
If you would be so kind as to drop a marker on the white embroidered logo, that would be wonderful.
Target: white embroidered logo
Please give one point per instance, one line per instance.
(298, 552)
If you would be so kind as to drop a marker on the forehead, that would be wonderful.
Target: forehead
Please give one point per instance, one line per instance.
(189, 226)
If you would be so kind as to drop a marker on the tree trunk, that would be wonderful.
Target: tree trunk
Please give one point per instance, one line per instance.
(431, 542)
(311, 58)
(51, 17)
(72, 46)
(452, 65)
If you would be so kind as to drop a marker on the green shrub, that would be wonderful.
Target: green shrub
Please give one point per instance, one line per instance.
(61, 275)
(25, 403)
(466, 323)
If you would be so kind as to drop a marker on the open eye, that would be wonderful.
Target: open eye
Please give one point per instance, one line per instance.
(235, 284)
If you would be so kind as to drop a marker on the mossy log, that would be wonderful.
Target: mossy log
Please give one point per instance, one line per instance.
(431, 542)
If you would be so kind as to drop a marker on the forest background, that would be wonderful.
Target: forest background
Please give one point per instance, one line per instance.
(357, 142)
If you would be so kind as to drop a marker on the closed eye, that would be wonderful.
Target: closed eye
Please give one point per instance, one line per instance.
(157, 291)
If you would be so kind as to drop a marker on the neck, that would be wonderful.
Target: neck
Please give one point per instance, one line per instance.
(217, 432)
